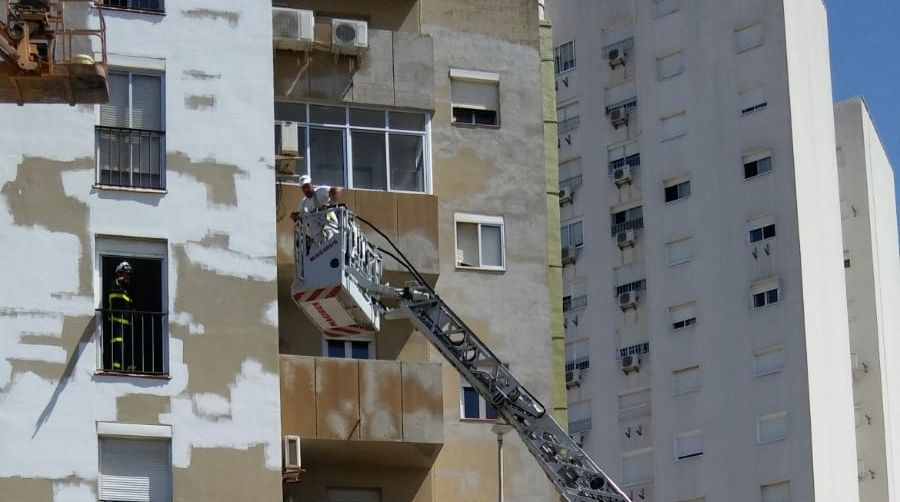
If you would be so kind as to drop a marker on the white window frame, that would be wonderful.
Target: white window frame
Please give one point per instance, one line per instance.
(683, 306)
(480, 220)
(557, 58)
(760, 420)
(482, 405)
(568, 225)
(476, 77)
(756, 157)
(307, 124)
(370, 339)
(759, 223)
(135, 247)
(765, 286)
(676, 182)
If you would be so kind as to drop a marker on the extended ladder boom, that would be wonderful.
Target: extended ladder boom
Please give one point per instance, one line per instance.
(338, 285)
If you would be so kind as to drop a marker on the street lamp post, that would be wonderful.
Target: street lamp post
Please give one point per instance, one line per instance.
(500, 428)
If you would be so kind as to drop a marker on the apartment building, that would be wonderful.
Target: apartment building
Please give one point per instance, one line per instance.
(707, 347)
(431, 114)
(872, 265)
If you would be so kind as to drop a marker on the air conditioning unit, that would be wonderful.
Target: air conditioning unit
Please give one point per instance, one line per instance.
(628, 300)
(578, 438)
(631, 363)
(565, 195)
(622, 175)
(569, 254)
(293, 29)
(291, 458)
(573, 378)
(625, 238)
(349, 36)
(289, 144)
(615, 56)
(619, 117)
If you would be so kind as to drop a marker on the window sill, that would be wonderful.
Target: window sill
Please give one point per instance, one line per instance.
(763, 241)
(676, 201)
(763, 307)
(137, 11)
(688, 457)
(156, 191)
(663, 78)
(682, 262)
(132, 375)
(767, 373)
(475, 126)
(760, 443)
(757, 176)
(479, 420)
(480, 269)
(673, 138)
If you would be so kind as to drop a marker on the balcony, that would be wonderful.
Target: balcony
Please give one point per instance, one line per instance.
(349, 410)
(634, 224)
(574, 303)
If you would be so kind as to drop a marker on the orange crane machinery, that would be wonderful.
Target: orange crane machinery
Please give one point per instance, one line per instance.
(52, 51)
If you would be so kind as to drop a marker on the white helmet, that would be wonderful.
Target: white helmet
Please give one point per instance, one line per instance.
(123, 268)
(305, 180)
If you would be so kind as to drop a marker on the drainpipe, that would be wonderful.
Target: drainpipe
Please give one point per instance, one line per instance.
(500, 428)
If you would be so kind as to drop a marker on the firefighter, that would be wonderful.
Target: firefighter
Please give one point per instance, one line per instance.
(119, 302)
(317, 198)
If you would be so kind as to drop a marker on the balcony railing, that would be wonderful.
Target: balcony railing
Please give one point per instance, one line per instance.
(143, 5)
(634, 224)
(571, 183)
(633, 160)
(640, 285)
(133, 158)
(634, 350)
(580, 425)
(574, 303)
(133, 341)
(582, 363)
(569, 123)
(628, 104)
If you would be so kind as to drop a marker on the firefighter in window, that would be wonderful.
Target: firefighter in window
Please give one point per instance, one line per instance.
(121, 320)
(317, 199)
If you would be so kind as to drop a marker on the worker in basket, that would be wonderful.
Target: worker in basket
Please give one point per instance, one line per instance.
(121, 320)
(317, 199)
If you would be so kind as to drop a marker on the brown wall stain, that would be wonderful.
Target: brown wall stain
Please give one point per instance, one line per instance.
(200, 101)
(199, 75)
(141, 408)
(216, 15)
(218, 178)
(26, 489)
(380, 401)
(298, 390)
(223, 474)
(337, 398)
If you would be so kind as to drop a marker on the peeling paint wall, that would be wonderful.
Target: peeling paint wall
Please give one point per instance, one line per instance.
(222, 397)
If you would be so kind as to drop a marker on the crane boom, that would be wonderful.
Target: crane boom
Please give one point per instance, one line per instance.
(336, 266)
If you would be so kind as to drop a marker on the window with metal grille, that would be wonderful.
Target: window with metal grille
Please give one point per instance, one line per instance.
(639, 285)
(144, 5)
(627, 219)
(131, 138)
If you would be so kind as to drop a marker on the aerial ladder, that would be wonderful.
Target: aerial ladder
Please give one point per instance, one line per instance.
(52, 51)
(337, 283)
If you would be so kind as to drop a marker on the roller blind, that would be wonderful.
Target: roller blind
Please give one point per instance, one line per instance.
(637, 468)
(134, 470)
(673, 126)
(146, 102)
(749, 37)
(475, 95)
(689, 444)
(115, 112)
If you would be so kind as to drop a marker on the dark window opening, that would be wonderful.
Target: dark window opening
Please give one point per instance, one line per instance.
(335, 348)
(685, 323)
(765, 298)
(757, 167)
(470, 403)
(678, 191)
(474, 117)
(147, 5)
(133, 317)
(762, 233)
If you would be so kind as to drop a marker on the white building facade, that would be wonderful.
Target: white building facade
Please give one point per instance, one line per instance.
(706, 319)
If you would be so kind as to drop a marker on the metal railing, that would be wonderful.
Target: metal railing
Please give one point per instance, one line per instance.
(133, 158)
(634, 350)
(628, 104)
(571, 183)
(144, 5)
(133, 341)
(634, 224)
(640, 285)
(582, 363)
(569, 123)
(633, 160)
(573, 303)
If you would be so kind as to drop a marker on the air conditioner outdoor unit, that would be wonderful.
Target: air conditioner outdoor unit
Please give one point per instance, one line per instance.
(625, 238)
(291, 458)
(293, 29)
(289, 144)
(628, 300)
(568, 255)
(622, 175)
(615, 56)
(565, 195)
(631, 363)
(619, 117)
(578, 438)
(573, 378)
(349, 36)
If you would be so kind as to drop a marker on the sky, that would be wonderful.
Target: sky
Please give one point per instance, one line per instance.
(865, 61)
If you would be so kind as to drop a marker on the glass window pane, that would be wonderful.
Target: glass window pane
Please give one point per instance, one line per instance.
(772, 296)
(146, 102)
(470, 403)
(565, 236)
(759, 299)
(407, 163)
(114, 113)
(359, 350)
(467, 245)
(577, 234)
(407, 121)
(490, 412)
(326, 156)
(369, 160)
(764, 165)
(491, 246)
(366, 118)
(327, 115)
(292, 112)
(336, 348)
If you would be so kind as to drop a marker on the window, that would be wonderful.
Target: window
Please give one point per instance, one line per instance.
(132, 311)
(772, 427)
(753, 100)
(580, 417)
(342, 348)
(568, 117)
(639, 285)
(677, 190)
(577, 356)
(846, 258)
(673, 126)
(757, 164)
(637, 467)
(669, 66)
(765, 293)
(135, 469)
(391, 150)
(130, 138)
(353, 494)
(683, 316)
(749, 36)
(627, 219)
(680, 251)
(776, 492)
(572, 234)
(769, 360)
(475, 97)
(622, 96)
(574, 302)
(145, 5)
(665, 7)
(564, 57)
(634, 404)
(473, 406)
(480, 242)
(761, 228)
(686, 380)
(689, 445)
(628, 154)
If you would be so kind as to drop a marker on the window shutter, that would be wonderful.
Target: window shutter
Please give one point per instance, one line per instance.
(135, 470)
(670, 65)
(772, 427)
(146, 102)
(115, 112)
(684, 312)
(749, 37)
(688, 444)
(768, 361)
(753, 97)
(354, 495)
(637, 468)
(778, 492)
(475, 95)
(686, 380)
(680, 251)
(674, 126)
(621, 93)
